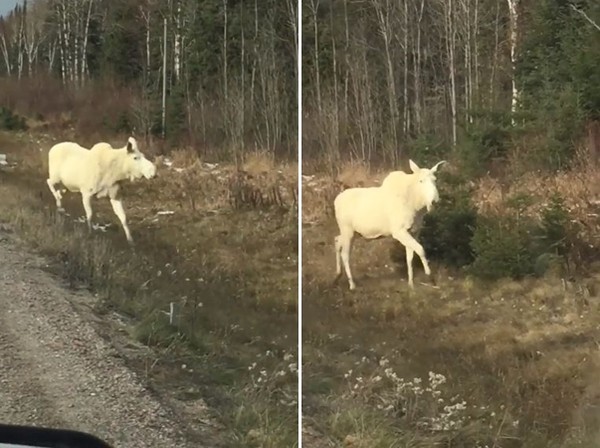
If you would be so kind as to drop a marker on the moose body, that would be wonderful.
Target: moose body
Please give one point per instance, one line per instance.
(96, 172)
(392, 209)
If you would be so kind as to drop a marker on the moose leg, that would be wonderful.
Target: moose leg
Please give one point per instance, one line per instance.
(338, 257)
(344, 242)
(411, 244)
(87, 205)
(117, 206)
(409, 259)
(56, 194)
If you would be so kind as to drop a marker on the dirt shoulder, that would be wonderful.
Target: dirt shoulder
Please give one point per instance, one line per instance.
(56, 370)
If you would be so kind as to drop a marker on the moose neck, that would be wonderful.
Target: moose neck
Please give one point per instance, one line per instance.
(114, 165)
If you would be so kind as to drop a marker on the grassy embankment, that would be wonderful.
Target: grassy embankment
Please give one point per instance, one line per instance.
(226, 258)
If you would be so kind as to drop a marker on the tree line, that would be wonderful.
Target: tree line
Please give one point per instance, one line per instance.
(474, 78)
(216, 72)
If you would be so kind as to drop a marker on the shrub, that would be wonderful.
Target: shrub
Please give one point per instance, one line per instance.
(558, 236)
(428, 149)
(11, 121)
(508, 244)
(554, 226)
(503, 245)
(489, 139)
(501, 249)
(447, 231)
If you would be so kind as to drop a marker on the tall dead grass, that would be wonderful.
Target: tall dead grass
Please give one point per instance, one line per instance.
(579, 187)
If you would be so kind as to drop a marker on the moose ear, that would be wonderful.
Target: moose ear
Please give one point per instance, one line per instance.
(437, 165)
(413, 166)
(129, 147)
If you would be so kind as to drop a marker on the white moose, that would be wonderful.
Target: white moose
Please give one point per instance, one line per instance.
(392, 209)
(96, 172)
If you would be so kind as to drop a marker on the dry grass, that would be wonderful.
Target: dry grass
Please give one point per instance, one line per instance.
(355, 174)
(526, 350)
(184, 158)
(231, 274)
(259, 163)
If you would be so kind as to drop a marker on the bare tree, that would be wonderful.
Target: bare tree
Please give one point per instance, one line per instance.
(314, 7)
(450, 48)
(164, 79)
(514, 22)
(225, 60)
(83, 64)
(385, 11)
(177, 41)
(6, 50)
(34, 36)
(417, 63)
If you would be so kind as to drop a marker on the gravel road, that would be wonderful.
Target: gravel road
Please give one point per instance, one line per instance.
(56, 370)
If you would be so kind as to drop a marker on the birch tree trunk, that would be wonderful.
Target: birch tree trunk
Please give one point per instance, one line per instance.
(386, 31)
(476, 55)
(513, 30)
(146, 17)
(6, 55)
(76, 43)
(51, 55)
(177, 42)
(32, 42)
(450, 45)
(83, 63)
(254, 60)
(336, 107)
(242, 124)
(225, 79)
(21, 42)
(62, 42)
(495, 57)
(164, 79)
(314, 5)
(417, 66)
(346, 60)
(406, 125)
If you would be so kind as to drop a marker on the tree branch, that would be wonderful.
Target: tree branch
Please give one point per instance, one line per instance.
(594, 24)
